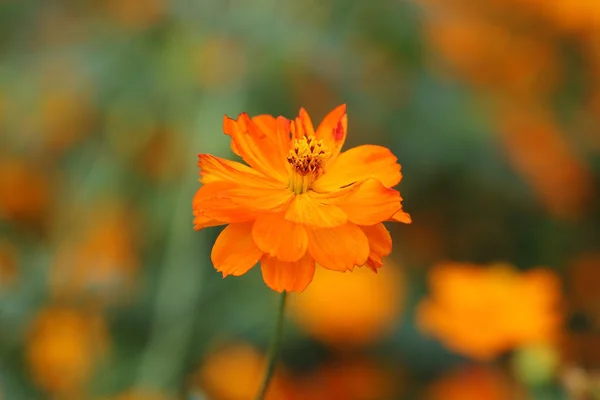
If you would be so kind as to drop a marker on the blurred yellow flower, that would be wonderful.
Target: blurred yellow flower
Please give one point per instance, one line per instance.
(483, 312)
(63, 346)
(350, 309)
(234, 373)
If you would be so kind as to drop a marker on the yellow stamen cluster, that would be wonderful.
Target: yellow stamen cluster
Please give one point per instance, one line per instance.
(307, 158)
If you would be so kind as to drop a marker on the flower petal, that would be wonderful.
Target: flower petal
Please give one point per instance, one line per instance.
(307, 210)
(232, 202)
(280, 238)
(372, 203)
(277, 131)
(358, 164)
(401, 216)
(333, 130)
(259, 199)
(234, 251)
(303, 125)
(215, 169)
(202, 221)
(209, 207)
(340, 248)
(232, 187)
(265, 122)
(255, 147)
(380, 244)
(287, 276)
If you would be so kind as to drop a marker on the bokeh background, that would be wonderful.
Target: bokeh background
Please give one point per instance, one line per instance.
(492, 107)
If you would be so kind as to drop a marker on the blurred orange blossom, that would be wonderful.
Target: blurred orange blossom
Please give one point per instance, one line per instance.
(350, 309)
(351, 377)
(233, 372)
(8, 263)
(99, 259)
(299, 201)
(482, 312)
(64, 344)
(26, 187)
(474, 383)
(138, 395)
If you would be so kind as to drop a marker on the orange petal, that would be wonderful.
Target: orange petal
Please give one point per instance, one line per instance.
(280, 238)
(233, 187)
(277, 131)
(266, 123)
(307, 210)
(259, 199)
(256, 147)
(208, 207)
(232, 202)
(358, 164)
(287, 276)
(303, 125)
(371, 203)
(336, 197)
(380, 244)
(202, 221)
(340, 248)
(401, 216)
(215, 169)
(234, 251)
(333, 130)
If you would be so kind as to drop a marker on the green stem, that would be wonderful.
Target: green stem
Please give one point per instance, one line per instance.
(273, 349)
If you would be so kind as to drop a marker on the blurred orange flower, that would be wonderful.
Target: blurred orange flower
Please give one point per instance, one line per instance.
(26, 190)
(489, 54)
(64, 344)
(536, 145)
(234, 373)
(581, 345)
(65, 116)
(100, 259)
(300, 201)
(482, 312)
(350, 309)
(137, 14)
(156, 159)
(349, 378)
(474, 383)
(219, 61)
(8, 263)
(138, 395)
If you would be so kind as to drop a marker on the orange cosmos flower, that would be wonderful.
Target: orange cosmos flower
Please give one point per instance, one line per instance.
(63, 348)
(483, 312)
(347, 310)
(240, 363)
(299, 201)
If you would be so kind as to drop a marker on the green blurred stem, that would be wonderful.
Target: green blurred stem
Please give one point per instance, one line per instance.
(273, 349)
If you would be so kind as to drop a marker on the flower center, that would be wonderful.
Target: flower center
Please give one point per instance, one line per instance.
(307, 158)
